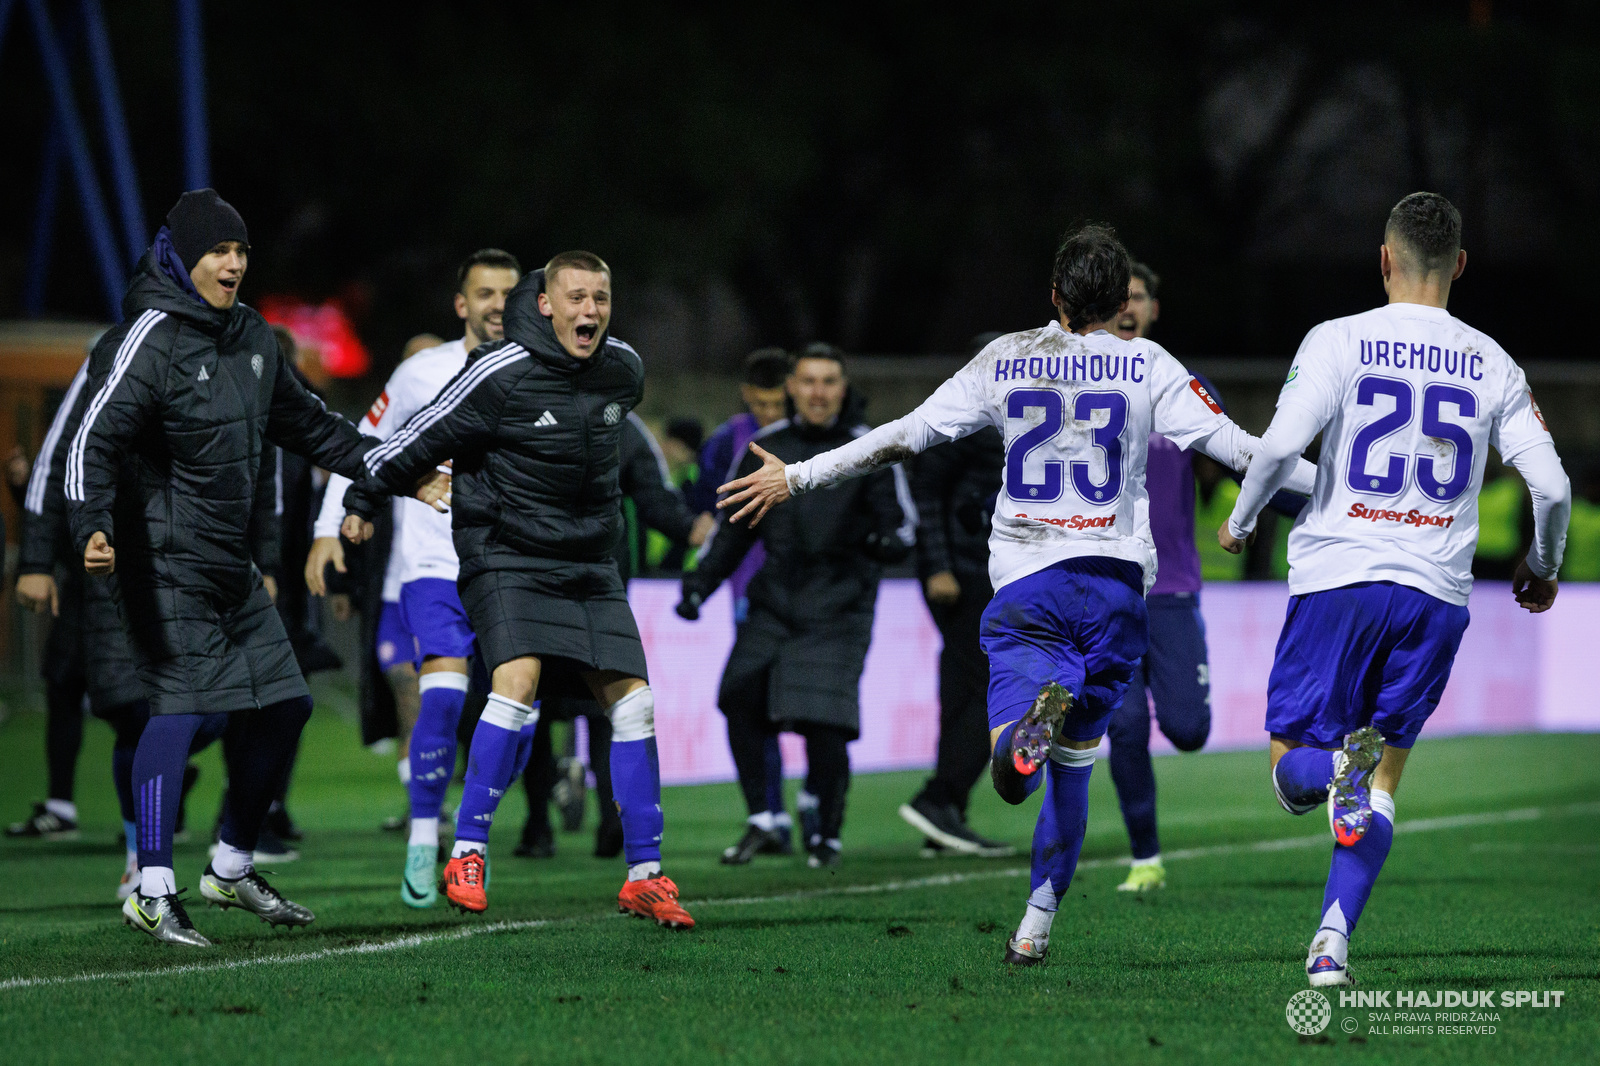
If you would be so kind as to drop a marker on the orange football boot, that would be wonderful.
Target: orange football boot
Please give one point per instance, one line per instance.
(654, 897)
(463, 883)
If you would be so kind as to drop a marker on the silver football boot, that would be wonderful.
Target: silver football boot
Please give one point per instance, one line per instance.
(252, 893)
(163, 918)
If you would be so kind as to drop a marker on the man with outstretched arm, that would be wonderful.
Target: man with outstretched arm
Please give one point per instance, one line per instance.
(1071, 556)
(532, 424)
(161, 478)
(1409, 400)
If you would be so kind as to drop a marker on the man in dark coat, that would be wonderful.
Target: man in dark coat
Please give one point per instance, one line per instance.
(954, 486)
(86, 615)
(161, 479)
(532, 425)
(796, 662)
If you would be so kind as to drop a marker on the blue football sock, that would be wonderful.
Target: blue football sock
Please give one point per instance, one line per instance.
(636, 775)
(1135, 779)
(158, 783)
(433, 741)
(1304, 774)
(772, 755)
(490, 762)
(1355, 869)
(525, 742)
(130, 833)
(1058, 836)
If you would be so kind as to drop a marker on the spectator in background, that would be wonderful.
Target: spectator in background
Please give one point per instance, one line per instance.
(797, 660)
(1582, 562)
(1500, 506)
(682, 444)
(765, 399)
(954, 486)
(1174, 674)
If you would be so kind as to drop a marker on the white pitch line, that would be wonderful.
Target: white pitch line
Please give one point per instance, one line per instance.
(1421, 825)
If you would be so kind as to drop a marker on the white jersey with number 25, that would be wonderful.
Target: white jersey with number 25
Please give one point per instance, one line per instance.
(1077, 413)
(1410, 399)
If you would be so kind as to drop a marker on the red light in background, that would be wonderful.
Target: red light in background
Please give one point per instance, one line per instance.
(325, 327)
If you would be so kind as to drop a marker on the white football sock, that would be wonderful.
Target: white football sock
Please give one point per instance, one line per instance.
(1035, 925)
(230, 863)
(157, 881)
(781, 820)
(639, 871)
(1383, 803)
(62, 809)
(463, 846)
(425, 831)
(402, 770)
(1154, 860)
(762, 820)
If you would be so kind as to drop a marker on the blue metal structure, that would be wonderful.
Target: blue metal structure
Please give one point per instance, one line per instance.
(97, 221)
(67, 142)
(192, 86)
(124, 179)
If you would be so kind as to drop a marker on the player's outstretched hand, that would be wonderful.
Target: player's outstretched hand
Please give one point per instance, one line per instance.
(324, 550)
(356, 529)
(38, 591)
(99, 557)
(434, 488)
(759, 492)
(1533, 592)
(1230, 543)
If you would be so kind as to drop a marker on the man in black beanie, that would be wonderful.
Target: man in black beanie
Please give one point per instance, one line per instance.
(189, 394)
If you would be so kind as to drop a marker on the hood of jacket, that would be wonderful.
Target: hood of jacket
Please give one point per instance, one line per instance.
(152, 289)
(529, 327)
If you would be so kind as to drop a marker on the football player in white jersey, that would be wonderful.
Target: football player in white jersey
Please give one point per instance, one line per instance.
(1408, 400)
(430, 607)
(1071, 555)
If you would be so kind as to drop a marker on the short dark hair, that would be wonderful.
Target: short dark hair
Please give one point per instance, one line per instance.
(489, 257)
(1091, 275)
(1429, 226)
(765, 368)
(1142, 271)
(577, 259)
(822, 350)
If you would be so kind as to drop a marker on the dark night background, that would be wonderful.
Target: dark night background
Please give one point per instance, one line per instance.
(886, 178)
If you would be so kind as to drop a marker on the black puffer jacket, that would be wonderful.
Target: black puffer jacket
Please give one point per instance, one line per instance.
(533, 433)
(95, 621)
(173, 463)
(955, 485)
(657, 503)
(825, 549)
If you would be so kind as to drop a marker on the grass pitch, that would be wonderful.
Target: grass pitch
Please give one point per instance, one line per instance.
(893, 958)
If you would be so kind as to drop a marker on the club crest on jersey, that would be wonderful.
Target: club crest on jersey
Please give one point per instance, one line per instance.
(257, 363)
(1205, 397)
(380, 405)
(613, 413)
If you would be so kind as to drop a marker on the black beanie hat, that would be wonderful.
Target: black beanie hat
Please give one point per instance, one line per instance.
(200, 221)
